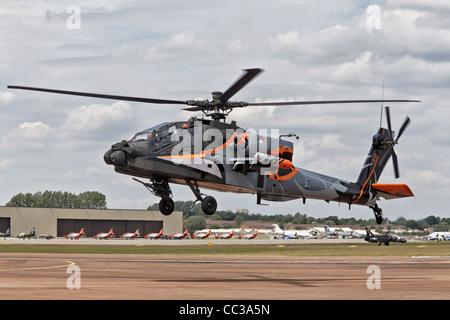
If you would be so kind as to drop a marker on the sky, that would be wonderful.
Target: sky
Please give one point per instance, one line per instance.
(182, 50)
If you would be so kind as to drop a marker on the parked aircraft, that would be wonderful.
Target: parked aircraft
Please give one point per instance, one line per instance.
(286, 234)
(76, 235)
(31, 234)
(340, 233)
(155, 235)
(225, 235)
(289, 236)
(178, 236)
(382, 238)
(130, 235)
(104, 235)
(249, 235)
(5, 235)
(438, 236)
(202, 235)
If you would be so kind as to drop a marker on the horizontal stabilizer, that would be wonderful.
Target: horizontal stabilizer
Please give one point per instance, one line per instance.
(393, 191)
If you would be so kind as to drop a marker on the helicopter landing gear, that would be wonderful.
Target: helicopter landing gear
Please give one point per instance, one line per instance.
(378, 213)
(160, 188)
(209, 203)
(166, 206)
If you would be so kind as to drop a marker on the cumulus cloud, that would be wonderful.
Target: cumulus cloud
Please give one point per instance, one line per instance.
(6, 163)
(96, 116)
(28, 135)
(5, 98)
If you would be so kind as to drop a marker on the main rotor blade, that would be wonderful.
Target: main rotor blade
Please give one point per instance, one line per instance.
(194, 109)
(405, 125)
(102, 96)
(294, 103)
(388, 120)
(248, 76)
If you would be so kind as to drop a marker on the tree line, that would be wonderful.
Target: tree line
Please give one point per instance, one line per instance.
(59, 199)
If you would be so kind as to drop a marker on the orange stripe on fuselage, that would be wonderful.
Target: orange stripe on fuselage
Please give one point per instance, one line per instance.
(203, 153)
(370, 175)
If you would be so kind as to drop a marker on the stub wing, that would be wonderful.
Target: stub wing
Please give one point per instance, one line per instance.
(392, 191)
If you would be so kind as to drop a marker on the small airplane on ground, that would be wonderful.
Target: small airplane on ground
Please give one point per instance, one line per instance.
(31, 234)
(130, 235)
(439, 236)
(225, 235)
(76, 235)
(202, 235)
(249, 235)
(289, 236)
(178, 236)
(286, 234)
(5, 235)
(339, 233)
(382, 238)
(155, 235)
(104, 235)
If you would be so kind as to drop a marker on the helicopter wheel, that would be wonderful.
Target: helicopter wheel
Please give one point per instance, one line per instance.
(166, 206)
(209, 205)
(378, 213)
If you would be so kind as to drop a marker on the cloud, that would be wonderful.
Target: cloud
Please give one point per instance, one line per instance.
(28, 135)
(5, 98)
(6, 163)
(94, 117)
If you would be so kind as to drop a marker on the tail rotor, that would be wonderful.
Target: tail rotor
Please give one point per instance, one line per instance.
(393, 142)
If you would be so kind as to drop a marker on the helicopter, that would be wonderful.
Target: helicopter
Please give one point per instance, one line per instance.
(210, 153)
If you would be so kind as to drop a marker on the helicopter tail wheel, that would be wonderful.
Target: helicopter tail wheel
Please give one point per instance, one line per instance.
(166, 206)
(378, 213)
(209, 205)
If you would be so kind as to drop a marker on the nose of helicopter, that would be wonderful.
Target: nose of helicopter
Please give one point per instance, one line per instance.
(118, 154)
(118, 157)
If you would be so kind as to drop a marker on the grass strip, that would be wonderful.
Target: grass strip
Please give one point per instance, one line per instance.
(304, 250)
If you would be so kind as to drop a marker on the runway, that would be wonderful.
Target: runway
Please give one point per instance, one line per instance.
(178, 277)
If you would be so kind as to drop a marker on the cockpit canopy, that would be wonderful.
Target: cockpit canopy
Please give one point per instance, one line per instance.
(146, 134)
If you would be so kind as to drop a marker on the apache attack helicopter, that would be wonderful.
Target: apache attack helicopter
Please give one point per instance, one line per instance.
(210, 153)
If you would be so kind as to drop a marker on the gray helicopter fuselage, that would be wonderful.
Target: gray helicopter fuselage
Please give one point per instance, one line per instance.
(223, 157)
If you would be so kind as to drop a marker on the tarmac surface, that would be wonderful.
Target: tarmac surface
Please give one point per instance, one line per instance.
(181, 277)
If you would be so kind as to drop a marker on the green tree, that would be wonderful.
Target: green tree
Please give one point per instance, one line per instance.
(432, 220)
(194, 223)
(411, 224)
(59, 199)
(91, 200)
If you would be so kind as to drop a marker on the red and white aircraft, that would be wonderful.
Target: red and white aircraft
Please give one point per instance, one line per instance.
(225, 235)
(130, 235)
(155, 235)
(249, 235)
(202, 235)
(180, 235)
(104, 235)
(75, 235)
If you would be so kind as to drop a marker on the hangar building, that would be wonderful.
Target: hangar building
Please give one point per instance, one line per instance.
(60, 222)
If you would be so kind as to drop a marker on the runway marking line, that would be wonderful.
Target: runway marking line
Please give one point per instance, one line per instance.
(69, 263)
